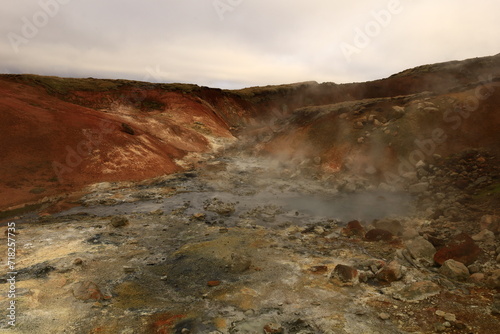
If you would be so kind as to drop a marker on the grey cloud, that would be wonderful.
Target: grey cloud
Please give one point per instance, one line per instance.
(257, 43)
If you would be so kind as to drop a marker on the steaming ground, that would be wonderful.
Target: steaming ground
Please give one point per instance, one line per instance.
(247, 184)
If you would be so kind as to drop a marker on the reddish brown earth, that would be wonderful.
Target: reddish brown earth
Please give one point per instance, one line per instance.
(58, 135)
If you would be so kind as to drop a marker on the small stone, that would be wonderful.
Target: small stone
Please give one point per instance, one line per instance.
(185, 331)
(164, 278)
(493, 279)
(353, 228)
(418, 188)
(474, 268)
(213, 283)
(318, 270)
(495, 307)
(118, 221)
(392, 225)
(450, 317)
(128, 270)
(199, 216)
(378, 235)
(440, 313)
(319, 230)
(223, 230)
(446, 324)
(409, 234)
(476, 278)
(454, 270)
(484, 235)
(78, 262)
(345, 275)
(391, 272)
(384, 316)
(273, 328)
(490, 222)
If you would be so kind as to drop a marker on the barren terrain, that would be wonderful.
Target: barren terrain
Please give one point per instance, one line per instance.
(305, 208)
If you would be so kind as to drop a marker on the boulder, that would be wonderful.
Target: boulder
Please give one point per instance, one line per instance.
(460, 248)
(378, 235)
(421, 249)
(454, 270)
(391, 225)
(417, 291)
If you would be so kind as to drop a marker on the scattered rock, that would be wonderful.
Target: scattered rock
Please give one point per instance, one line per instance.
(77, 262)
(378, 235)
(418, 188)
(447, 316)
(345, 275)
(217, 206)
(158, 212)
(484, 235)
(495, 307)
(392, 225)
(474, 268)
(477, 278)
(421, 249)
(384, 316)
(409, 234)
(417, 291)
(273, 328)
(391, 272)
(318, 270)
(119, 221)
(493, 279)
(239, 263)
(454, 270)
(88, 290)
(213, 283)
(353, 228)
(490, 222)
(199, 216)
(461, 248)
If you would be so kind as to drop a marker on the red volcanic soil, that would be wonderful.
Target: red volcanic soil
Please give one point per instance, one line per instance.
(50, 146)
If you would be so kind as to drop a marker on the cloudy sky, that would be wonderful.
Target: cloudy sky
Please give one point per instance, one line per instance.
(241, 43)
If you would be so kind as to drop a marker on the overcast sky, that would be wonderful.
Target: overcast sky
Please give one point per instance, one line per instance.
(241, 43)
